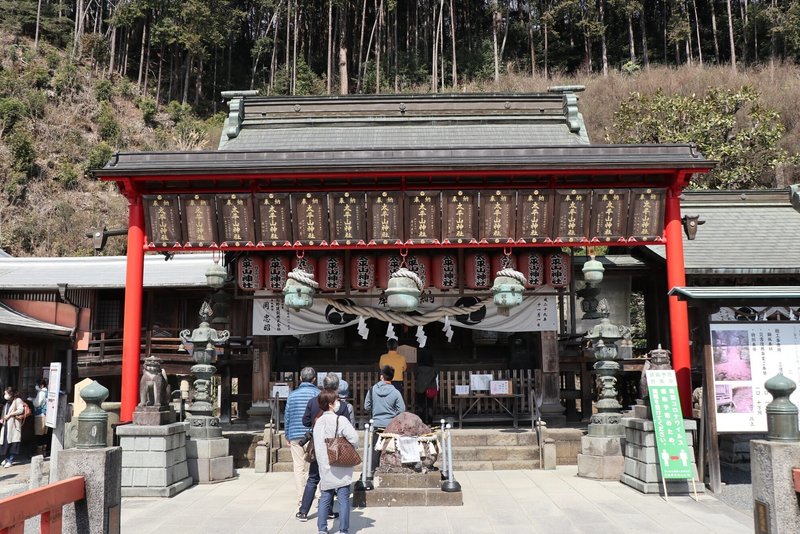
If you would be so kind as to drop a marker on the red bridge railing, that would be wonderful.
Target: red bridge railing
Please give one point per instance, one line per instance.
(46, 501)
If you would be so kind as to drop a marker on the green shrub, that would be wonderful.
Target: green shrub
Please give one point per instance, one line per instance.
(65, 80)
(12, 110)
(22, 150)
(37, 77)
(104, 90)
(126, 88)
(98, 156)
(68, 176)
(53, 60)
(178, 112)
(149, 108)
(107, 124)
(36, 101)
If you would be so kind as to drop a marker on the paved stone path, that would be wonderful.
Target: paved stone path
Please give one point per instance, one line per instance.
(546, 502)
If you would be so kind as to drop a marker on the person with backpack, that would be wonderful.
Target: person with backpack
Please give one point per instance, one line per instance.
(14, 415)
(39, 415)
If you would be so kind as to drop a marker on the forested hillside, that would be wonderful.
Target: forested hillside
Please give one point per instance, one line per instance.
(81, 79)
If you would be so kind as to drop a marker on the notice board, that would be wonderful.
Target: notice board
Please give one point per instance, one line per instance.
(673, 451)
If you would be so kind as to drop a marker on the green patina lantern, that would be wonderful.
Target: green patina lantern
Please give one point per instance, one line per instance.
(298, 293)
(216, 275)
(508, 287)
(93, 419)
(404, 290)
(593, 271)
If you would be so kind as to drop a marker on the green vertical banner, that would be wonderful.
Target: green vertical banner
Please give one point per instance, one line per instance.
(673, 451)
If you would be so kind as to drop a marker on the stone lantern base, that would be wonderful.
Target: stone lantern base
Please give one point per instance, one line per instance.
(154, 460)
(207, 451)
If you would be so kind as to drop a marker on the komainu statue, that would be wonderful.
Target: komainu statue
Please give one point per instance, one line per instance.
(154, 387)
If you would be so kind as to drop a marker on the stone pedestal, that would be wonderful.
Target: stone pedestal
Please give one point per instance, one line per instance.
(153, 415)
(258, 415)
(154, 460)
(601, 457)
(771, 464)
(207, 452)
(407, 489)
(99, 512)
(642, 470)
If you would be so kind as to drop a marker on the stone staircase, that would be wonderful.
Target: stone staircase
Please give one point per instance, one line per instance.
(473, 450)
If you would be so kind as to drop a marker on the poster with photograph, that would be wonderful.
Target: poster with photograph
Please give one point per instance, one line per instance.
(744, 356)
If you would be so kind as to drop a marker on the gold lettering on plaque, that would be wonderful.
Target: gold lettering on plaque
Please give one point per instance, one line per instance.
(536, 201)
(199, 227)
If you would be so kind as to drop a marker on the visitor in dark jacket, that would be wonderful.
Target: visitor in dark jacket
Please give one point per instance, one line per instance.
(384, 402)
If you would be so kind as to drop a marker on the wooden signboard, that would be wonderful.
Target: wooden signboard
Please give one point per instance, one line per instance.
(348, 224)
(572, 215)
(423, 216)
(498, 216)
(162, 219)
(199, 220)
(460, 216)
(310, 218)
(385, 217)
(535, 215)
(609, 214)
(235, 217)
(273, 218)
(646, 214)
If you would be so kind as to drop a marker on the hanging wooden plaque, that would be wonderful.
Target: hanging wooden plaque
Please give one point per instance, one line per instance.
(498, 216)
(273, 215)
(535, 215)
(646, 218)
(460, 216)
(572, 215)
(609, 214)
(162, 220)
(385, 217)
(423, 216)
(199, 220)
(235, 217)
(310, 218)
(348, 224)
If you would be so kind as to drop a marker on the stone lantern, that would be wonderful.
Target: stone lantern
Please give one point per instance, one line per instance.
(507, 288)
(216, 275)
(202, 343)
(404, 290)
(298, 293)
(604, 337)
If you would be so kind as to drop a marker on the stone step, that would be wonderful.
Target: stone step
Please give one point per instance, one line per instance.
(494, 453)
(390, 497)
(494, 465)
(492, 437)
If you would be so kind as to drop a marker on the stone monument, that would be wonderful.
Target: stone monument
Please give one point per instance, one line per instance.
(601, 449)
(407, 475)
(772, 461)
(154, 446)
(207, 451)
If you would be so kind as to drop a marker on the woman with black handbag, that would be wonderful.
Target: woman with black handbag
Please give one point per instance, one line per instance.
(335, 440)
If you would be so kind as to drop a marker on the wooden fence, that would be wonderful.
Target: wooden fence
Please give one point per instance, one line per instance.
(47, 502)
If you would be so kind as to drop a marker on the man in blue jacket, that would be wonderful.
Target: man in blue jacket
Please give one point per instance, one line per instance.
(294, 427)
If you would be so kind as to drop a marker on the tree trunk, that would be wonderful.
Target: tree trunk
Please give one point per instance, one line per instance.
(113, 54)
(294, 52)
(730, 35)
(714, 30)
(185, 96)
(158, 82)
(645, 54)
(126, 53)
(198, 83)
(361, 46)
(140, 79)
(495, 18)
(453, 45)
(329, 62)
(147, 63)
(631, 48)
(288, 40)
(378, 49)
(273, 63)
(343, 81)
(603, 49)
(546, 54)
(697, 30)
(38, 18)
(530, 39)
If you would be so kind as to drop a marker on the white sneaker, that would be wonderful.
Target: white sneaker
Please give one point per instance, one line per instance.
(8, 464)
(3, 463)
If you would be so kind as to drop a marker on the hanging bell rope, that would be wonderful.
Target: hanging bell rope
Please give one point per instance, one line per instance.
(513, 274)
(407, 320)
(299, 275)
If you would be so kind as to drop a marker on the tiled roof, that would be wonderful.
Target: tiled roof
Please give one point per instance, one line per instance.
(18, 322)
(749, 232)
(102, 272)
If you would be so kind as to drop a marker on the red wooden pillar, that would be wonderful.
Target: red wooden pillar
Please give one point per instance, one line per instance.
(132, 327)
(678, 311)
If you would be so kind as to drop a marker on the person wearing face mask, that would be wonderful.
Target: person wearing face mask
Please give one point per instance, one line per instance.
(11, 434)
(40, 412)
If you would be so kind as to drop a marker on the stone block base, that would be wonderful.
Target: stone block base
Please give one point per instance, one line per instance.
(153, 415)
(600, 467)
(674, 487)
(408, 480)
(772, 463)
(154, 460)
(388, 497)
(208, 460)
